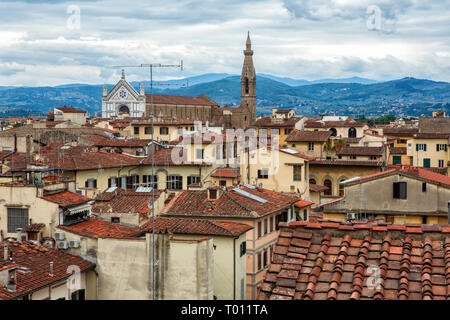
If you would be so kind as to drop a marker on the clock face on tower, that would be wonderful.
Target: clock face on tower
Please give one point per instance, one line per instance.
(122, 94)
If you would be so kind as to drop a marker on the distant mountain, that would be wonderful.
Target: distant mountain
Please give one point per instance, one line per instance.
(346, 80)
(404, 97)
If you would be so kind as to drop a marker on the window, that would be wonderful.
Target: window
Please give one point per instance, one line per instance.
(312, 181)
(263, 173)
(352, 157)
(441, 147)
(136, 130)
(243, 248)
(199, 153)
(297, 173)
(341, 189)
(396, 160)
(132, 182)
(150, 181)
(265, 258)
(421, 147)
(91, 183)
(148, 130)
(265, 226)
(79, 295)
(399, 190)
(259, 262)
(17, 218)
(441, 163)
(327, 183)
(223, 183)
(287, 131)
(164, 130)
(259, 229)
(193, 180)
(424, 220)
(426, 162)
(174, 182)
(373, 157)
(115, 220)
(305, 215)
(293, 145)
(352, 132)
(424, 187)
(271, 224)
(310, 146)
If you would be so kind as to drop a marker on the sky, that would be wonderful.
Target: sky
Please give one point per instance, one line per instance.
(46, 43)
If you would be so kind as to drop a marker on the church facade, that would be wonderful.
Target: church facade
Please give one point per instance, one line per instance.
(123, 101)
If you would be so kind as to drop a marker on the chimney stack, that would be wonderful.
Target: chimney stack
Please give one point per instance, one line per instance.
(19, 234)
(51, 269)
(5, 253)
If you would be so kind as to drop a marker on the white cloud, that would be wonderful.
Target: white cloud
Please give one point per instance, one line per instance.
(308, 39)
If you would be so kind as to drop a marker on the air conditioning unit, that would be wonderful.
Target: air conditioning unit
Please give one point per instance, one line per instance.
(59, 235)
(63, 245)
(351, 216)
(74, 244)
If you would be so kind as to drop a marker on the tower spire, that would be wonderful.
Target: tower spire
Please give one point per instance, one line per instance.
(248, 84)
(123, 74)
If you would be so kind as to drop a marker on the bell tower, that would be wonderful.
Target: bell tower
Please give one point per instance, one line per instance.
(248, 84)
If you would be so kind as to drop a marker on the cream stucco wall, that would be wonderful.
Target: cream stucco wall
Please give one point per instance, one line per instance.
(431, 152)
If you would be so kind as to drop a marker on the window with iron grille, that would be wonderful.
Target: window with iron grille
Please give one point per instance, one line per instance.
(164, 130)
(17, 218)
(174, 182)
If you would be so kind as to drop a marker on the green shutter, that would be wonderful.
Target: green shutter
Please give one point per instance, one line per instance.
(417, 147)
(437, 147)
(425, 147)
(397, 160)
(426, 163)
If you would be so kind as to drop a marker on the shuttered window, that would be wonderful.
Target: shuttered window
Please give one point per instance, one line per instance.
(400, 190)
(17, 218)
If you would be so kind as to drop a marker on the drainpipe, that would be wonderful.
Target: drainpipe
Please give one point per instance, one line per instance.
(234, 267)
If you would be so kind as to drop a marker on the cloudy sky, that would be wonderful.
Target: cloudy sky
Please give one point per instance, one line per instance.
(49, 43)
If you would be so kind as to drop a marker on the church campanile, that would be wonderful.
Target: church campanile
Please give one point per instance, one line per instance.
(248, 84)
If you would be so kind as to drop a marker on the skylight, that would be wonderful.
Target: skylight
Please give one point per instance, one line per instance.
(249, 195)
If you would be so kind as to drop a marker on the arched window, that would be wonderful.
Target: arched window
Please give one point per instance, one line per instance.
(327, 183)
(333, 132)
(352, 132)
(312, 181)
(246, 85)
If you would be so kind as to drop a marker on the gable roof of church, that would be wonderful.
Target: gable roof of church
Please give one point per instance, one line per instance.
(201, 100)
(127, 86)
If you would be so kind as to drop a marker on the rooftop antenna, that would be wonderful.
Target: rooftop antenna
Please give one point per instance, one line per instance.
(150, 66)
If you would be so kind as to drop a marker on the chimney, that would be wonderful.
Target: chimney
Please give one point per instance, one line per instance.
(212, 194)
(51, 269)
(19, 234)
(5, 253)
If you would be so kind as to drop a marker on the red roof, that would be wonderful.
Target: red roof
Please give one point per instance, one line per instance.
(360, 151)
(177, 225)
(336, 261)
(102, 141)
(331, 124)
(230, 203)
(308, 136)
(407, 170)
(66, 198)
(70, 110)
(270, 121)
(303, 203)
(97, 228)
(226, 173)
(36, 261)
(201, 100)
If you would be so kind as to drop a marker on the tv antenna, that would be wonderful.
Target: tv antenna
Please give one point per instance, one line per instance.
(150, 66)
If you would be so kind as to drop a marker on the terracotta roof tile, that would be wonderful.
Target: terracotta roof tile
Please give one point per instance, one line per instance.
(338, 263)
(35, 261)
(308, 136)
(66, 198)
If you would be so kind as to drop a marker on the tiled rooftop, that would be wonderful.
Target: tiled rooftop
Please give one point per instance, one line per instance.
(37, 260)
(201, 100)
(177, 225)
(229, 203)
(308, 136)
(226, 173)
(66, 198)
(332, 261)
(360, 151)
